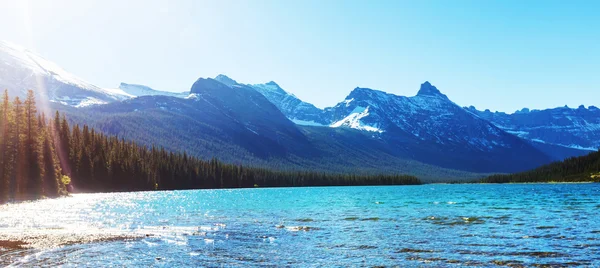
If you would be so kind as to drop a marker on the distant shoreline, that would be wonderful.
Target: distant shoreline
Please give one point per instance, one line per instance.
(541, 182)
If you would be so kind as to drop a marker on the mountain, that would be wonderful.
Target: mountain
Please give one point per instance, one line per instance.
(428, 127)
(232, 120)
(299, 112)
(369, 132)
(22, 70)
(565, 127)
(239, 125)
(429, 114)
(141, 90)
(235, 123)
(434, 130)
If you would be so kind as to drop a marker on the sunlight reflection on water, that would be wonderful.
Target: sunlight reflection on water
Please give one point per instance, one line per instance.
(435, 225)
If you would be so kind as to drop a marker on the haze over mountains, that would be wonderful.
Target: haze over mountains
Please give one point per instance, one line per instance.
(370, 131)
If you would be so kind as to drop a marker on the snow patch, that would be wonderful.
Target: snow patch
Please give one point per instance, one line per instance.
(354, 120)
(89, 102)
(347, 102)
(192, 96)
(134, 90)
(306, 123)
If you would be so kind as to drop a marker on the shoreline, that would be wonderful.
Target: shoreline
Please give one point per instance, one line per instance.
(548, 182)
(24, 239)
(320, 186)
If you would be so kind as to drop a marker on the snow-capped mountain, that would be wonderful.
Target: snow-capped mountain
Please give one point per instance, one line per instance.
(23, 69)
(299, 112)
(236, 123)
(427, 127)
(428, 116)
(140, 90)
(431, 116)
(567, 127)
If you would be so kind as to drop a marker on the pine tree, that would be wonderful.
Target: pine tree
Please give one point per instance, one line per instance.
(18, 155)
(7, 149)
(52, 174)
(4, 116)
(33, 156)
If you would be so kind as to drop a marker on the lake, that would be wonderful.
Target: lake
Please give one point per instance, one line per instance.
(426, 225)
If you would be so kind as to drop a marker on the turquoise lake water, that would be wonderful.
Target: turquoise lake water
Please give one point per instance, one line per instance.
(427, 225)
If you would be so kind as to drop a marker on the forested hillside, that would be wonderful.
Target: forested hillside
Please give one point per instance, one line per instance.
(29, 166)
(42, 157)
(199, 129)
(99, 163)
(575, 169)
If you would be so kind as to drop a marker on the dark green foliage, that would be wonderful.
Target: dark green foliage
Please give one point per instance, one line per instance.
(575, 169)
(100, 163)
(28, 165)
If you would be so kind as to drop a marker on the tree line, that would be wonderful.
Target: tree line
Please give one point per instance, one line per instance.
(575, 169)
(45, 157)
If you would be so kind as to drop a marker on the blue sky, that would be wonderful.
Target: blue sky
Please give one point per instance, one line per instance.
(500, 55)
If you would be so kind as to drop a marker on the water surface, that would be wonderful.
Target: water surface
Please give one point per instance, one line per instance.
(427, 225)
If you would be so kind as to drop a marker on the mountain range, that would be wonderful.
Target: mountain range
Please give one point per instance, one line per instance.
(370, 131)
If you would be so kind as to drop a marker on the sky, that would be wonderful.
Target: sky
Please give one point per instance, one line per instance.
(500, 55)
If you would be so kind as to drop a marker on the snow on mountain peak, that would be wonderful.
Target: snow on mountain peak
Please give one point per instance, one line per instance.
(36, 63)
(28, 70)
(226, 80)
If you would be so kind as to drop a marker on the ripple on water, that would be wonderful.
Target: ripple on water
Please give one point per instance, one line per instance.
(245, 227)
(301, 228)
(452, 221)
(412, 250)
(536, 254)
(365, 247)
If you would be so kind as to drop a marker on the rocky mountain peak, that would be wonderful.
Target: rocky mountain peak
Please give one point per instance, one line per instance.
(427, 89)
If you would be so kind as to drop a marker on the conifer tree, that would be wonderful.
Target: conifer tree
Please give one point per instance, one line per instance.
(18, 156)
(52, 174)
(33, 171)
(4, 117)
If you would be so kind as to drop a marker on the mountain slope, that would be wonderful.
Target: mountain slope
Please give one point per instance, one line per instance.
(210, 133)
(435, 130)
(299, 112)
(239, 125)
(559, 133)
(22, 69)
(214, 113)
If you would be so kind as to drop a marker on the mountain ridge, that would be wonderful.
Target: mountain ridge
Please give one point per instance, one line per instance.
(265, 125)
